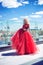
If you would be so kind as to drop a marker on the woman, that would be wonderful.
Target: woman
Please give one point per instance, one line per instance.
(22, 41)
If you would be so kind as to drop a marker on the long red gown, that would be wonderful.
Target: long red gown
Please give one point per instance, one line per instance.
(23, 42)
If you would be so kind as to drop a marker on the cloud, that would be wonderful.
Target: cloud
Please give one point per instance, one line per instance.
(35, 16)
(16, 19)
(25, 2)
(40, 2)
(1, 0)
(40, 12)
(12, 3)
(23, 17)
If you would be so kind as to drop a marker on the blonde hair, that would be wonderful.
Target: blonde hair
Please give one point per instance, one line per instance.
(25, 21)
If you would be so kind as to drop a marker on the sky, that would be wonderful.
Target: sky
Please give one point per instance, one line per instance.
(12, 13)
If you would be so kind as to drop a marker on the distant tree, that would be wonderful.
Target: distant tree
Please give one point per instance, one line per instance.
(41, 32)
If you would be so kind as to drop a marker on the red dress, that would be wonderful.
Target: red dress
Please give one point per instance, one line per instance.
(23, 42)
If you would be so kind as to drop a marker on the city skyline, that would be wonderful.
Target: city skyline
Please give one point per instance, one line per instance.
(12, 13)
